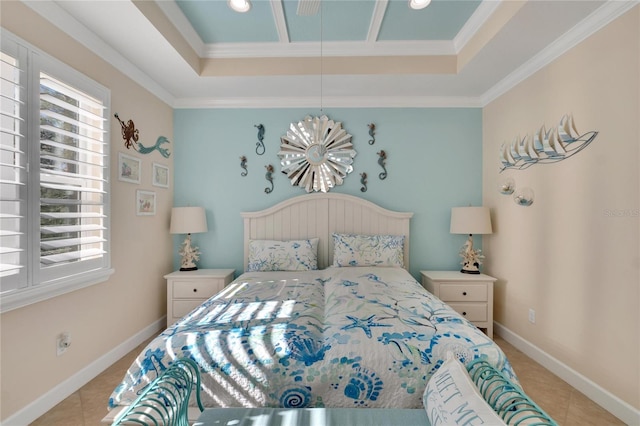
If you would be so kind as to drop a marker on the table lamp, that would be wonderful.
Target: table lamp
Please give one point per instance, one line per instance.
(188, 220)
(470, 220)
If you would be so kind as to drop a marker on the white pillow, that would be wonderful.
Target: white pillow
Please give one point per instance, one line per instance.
(451, 398)
(368, 250)
(272, 255)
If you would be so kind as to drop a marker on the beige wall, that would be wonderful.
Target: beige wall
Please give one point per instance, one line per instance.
(141, 248)
(573, 256)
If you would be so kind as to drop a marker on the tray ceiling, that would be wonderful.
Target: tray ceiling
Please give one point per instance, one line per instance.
(350, 53)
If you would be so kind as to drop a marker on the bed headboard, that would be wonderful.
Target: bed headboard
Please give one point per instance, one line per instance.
(320, 215)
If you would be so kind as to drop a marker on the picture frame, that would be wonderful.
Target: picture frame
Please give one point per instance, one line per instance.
(129, 168)
(160, 175)
(145, 203)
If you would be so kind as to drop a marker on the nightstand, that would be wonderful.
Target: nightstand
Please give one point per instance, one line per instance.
(471, 295)
(188, 289)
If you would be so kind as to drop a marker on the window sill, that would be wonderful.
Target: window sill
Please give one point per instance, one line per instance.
(24, 297)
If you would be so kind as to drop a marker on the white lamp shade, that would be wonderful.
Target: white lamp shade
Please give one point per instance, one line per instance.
(188, 220)
(470, 220)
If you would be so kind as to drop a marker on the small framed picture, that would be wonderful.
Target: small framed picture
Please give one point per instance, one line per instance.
(160, 175)
(129, 168)
(145, 203)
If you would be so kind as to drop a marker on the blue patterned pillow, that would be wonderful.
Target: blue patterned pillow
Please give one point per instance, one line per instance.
(272, 255)
(368, 250)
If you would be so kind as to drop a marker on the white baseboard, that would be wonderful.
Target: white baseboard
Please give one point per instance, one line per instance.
(619, 408)
(59, 393)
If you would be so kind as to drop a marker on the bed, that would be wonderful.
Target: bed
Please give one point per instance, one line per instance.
(352, 329)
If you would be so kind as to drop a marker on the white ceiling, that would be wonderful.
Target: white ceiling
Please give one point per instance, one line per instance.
(396, 62)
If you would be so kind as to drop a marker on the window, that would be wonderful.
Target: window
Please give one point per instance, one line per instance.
(54, 188)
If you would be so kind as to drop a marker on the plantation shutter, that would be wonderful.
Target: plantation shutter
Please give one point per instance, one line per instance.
(13, 170)
(72, 181)
(54, 177)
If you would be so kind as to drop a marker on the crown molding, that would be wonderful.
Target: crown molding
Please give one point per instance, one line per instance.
(312, 49)
(176, 17)
(482, 13)
(331, 102)
(59, 17)
(598, 19)
(601, 17)
(284, 48)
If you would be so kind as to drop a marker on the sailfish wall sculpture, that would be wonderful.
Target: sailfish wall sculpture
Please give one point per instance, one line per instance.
(545, 146)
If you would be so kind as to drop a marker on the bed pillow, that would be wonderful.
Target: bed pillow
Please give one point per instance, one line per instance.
(451, 398)
(273, 255)
(368, 250)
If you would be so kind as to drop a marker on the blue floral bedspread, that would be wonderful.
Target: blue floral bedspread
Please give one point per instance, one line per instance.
(339, 337)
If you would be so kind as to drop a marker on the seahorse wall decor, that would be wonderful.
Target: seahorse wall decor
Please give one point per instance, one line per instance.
(260, 149)
(243, 164)
(382, 158)
(269, 177)
(372, 133)
(131, 135)
(363, 181)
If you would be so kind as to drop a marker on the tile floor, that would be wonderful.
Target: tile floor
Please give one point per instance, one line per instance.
(87, 406)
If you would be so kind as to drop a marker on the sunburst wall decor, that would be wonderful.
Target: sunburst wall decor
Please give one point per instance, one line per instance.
(316, 153)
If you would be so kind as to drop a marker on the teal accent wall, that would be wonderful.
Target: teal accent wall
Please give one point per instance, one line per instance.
(434, 162)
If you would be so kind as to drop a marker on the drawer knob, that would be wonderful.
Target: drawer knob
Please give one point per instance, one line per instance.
(464, 293)
(464, 313)
(195, 290)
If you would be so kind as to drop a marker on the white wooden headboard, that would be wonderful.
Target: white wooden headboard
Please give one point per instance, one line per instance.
(320, 215)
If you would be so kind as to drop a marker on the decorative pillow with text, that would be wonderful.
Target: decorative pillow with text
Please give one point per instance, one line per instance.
(451, 398)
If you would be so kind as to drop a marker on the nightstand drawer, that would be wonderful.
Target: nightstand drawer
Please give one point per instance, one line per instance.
(461, 292)
(203, 289)
(471, 311)
(188, 289)
(471, 295)
(183, 307)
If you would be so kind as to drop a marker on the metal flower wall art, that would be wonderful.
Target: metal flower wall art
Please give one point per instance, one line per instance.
(545, 146)
(316, 153)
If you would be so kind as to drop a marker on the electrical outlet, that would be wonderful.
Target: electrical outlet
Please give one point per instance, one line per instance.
(63, 342)
(532, 316)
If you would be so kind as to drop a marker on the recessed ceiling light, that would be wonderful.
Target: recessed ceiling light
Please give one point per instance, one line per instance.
(418, 4)
(240, 5)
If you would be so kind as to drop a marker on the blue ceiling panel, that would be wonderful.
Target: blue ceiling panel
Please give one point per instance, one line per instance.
(441, 20)
(342, 20)
(215, 22)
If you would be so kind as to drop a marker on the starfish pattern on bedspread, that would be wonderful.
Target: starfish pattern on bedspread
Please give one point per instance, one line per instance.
(365, 324)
